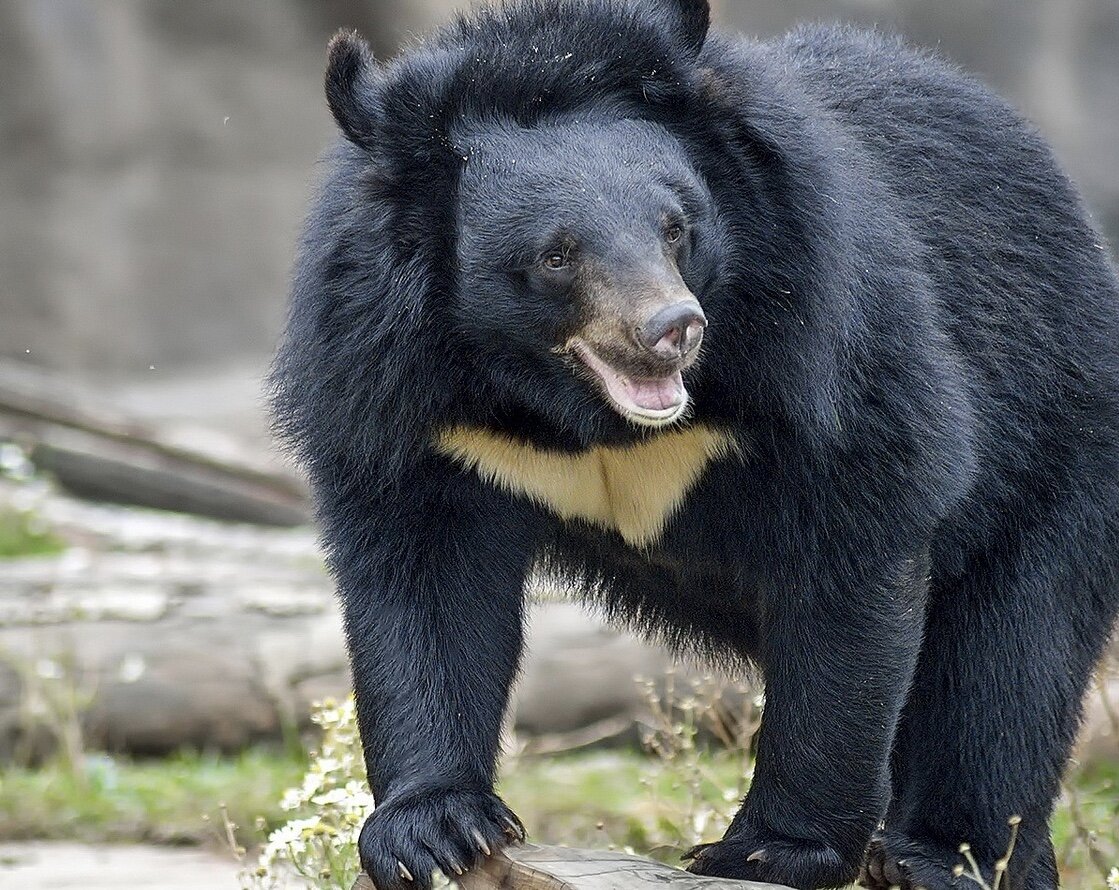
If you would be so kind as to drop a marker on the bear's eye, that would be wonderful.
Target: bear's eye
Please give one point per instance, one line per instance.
(555, 260)
(673, 232)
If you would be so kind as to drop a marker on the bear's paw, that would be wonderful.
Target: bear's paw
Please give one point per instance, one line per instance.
(408, 838)
(752, 856)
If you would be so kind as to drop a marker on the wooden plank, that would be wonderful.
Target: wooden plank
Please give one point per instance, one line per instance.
(541, 867)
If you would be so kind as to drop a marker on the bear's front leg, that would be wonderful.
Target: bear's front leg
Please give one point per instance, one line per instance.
(840, 647)
(431, 573)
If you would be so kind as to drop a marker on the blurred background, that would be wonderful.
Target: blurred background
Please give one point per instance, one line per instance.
(160, 591)
(156, 156)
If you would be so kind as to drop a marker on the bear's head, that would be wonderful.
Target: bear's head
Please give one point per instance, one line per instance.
(582, 244)
(530, 169)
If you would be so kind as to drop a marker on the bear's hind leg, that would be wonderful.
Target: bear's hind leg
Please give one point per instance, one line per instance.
(893, 860)
(993, 712)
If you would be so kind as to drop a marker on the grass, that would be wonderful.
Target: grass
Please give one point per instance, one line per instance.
(596, 799)
(1086, 826)
(612, 798)
(172, 801)
(20, 535)
(624, 799)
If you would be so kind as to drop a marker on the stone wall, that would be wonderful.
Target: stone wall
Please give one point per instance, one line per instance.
(156, 156)
(1057, 60)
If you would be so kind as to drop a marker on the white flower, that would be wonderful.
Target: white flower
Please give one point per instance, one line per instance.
(1113, 879)
(333, 788)
(357, 791)
(287, 841)
(312, 784)
(293, 799)
(345, 800)
(331, 797)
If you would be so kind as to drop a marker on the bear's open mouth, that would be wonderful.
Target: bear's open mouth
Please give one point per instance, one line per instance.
(650, 401)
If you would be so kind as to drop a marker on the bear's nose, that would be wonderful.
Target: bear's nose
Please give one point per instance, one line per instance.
(674, 331)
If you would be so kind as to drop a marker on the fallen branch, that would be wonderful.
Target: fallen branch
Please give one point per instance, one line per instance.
(97, 453)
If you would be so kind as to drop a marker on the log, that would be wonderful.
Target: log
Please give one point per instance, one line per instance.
(144, 473)
(542, 867)
(96, 452)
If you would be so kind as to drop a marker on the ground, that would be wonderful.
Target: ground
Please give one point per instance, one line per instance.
(51, 865)
(592, 799)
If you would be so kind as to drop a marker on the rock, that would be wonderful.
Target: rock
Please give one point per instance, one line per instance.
(153, 189)
(1099, 734)
(170, 631)
(579, 672)
(95, 451)
(164, 695)
(174, 630)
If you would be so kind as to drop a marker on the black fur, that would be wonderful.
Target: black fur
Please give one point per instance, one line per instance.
(913, 334)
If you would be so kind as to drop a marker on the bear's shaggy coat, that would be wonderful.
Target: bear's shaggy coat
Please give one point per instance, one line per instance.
(892, 481)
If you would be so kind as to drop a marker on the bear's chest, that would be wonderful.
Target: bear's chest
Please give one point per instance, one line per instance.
(632, 490)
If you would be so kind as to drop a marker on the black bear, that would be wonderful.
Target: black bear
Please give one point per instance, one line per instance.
(799, 352)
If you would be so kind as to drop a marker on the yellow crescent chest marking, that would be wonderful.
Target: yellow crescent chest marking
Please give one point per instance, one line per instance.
(632, 490)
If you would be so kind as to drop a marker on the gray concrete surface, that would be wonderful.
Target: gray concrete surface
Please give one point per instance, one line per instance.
(62, 866)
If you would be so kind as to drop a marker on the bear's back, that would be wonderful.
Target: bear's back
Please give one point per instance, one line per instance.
(1023, 285)
(1020, 273)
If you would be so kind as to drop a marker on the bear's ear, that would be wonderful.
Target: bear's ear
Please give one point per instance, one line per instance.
(693, 17)
(352, 77)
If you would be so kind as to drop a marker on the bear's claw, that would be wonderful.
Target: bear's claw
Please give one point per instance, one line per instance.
(794, 862)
